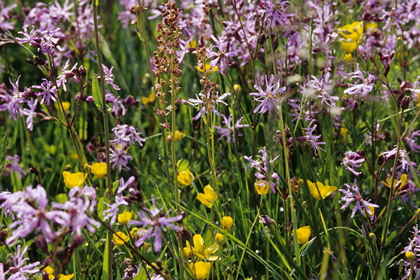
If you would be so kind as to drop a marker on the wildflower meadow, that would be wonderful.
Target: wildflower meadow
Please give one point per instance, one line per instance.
(209, 139)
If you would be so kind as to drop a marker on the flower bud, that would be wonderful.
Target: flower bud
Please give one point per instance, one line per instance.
(405, 102)
(219, 238)
(227, 223)
(41, 243)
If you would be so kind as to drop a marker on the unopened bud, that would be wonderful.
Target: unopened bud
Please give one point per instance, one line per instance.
(405, 102)
(41, 243)
(237, 88)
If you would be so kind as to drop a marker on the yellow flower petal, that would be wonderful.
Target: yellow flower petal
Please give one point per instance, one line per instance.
(179, 135)
(201, 269)
(403, 180)
(99, 169)
(219, 238)
(410, 256)
(303, 234)
(198, 243)
(200, 250)
(227, 223)
(319, 191)
(351, 36)
(208, 197)
(74, 179)
(262, 187)
(120, 238)
(208, 69)
(66, 277)
(185, 177)
(125, 217)
(148, 100)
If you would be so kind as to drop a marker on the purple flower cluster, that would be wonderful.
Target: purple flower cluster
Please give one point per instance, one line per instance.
(30, 212)
(402, 155)
(19, 270)
(207, 102)
(413, 248)
(112, 211)
(313, 139)
(125, 136)
(12, 166)
(232, 130)
(153, 220)
(352, 195)
(353, 160)
(263, 166)
(361, 90)
(270, 98)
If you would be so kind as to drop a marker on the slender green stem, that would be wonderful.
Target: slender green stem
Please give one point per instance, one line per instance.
(210, 149)
(106, 132)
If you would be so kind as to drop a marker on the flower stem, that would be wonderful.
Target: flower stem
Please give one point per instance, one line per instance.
(106, 133)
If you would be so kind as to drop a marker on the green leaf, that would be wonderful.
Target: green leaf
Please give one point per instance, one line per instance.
(96, 93)
(106, 258)
(390, 238)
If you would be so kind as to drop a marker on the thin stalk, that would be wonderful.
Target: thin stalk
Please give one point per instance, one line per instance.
(106, 131)
(289, 200)
(210, 149)
(388, 207)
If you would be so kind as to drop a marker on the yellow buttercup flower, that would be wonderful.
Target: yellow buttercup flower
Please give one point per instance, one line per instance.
(227, 223)
(125, 217)
(351, 36)
(149, 100)
(120, 238)
(99, 169)
(303, 234)
(192, 44)
(348, 57)
(66, 106)
(343, 131)
(200, 250)
(208, 197)
(185, 177)
(319, 191)
(201, 269)
(403, 180)
(179, 135)
(370, 27)
(262, 187)
(208, 69)
(50, 271)
(74, 179)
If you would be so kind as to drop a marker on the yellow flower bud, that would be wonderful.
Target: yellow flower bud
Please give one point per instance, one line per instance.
(185, 177)
(187, 250)
(303, 234)
(410, 256)
(219, 238)
(227, 223)
(237, 88)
